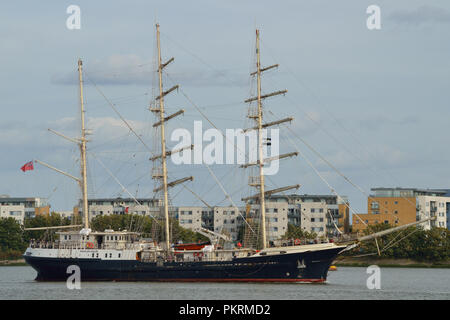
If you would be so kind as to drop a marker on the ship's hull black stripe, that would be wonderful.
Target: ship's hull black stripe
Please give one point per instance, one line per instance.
(311, 266)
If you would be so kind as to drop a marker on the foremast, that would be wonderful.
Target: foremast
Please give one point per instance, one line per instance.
(161, 175)
(259, 181)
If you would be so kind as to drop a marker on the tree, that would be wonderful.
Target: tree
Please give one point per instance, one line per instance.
(296, 232)
(51, 220)
(412, 243)
(12, 244)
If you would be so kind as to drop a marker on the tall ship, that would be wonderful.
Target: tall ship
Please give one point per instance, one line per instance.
(112, 255)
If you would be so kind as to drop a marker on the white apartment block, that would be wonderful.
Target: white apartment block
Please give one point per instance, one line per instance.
(227, 220)
(16, 212)
(433, 206)
(21, 208)
(313, 213)
(313, 217)
(190, 217)
(276, 218)
(108, 206)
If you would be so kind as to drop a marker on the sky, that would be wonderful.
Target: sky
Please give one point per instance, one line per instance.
(374, 103)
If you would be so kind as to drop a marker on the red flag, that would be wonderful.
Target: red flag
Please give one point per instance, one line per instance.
(126, 210)
(27, 166)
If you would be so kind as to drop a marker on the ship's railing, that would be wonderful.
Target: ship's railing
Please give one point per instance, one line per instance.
(193, 255)
(76, 245)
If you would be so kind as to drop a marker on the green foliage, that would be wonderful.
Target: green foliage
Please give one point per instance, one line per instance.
(295, 232)
(185, 235)
(52, 220)
(416, 244)
(11, 239)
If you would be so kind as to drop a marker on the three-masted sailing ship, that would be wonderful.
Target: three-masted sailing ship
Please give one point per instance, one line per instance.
(125, 255)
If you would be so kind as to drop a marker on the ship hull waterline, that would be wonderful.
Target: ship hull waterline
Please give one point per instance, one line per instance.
(301, 267)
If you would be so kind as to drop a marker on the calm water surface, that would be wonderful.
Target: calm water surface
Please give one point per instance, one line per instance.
(346, 283)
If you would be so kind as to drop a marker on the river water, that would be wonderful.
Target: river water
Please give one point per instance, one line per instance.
(345, 283)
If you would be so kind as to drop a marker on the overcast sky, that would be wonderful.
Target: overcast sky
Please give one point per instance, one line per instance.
(375, 103)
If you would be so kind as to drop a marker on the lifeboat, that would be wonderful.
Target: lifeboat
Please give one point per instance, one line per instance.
(190, 246)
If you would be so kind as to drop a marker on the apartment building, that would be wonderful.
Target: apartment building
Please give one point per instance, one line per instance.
(189, 217)
(21, 208)
(399, 206)
(321, 214)
(325, 215)
(108, 206)
(314, 213)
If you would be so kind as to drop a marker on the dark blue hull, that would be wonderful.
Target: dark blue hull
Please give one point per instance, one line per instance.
(309, 266)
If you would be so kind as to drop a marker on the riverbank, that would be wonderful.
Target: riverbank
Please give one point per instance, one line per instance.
(12, 263)
(387, 263)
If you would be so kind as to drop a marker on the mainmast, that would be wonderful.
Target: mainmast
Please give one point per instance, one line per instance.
(83, 183)
(162, 174)
(258, 181)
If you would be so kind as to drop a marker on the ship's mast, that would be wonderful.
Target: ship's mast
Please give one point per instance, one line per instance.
(164, 154)
(83, 183)
(163, 141)
(260, 146)
(258, 181)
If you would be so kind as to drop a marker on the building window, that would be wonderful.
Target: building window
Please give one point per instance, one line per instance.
(312, 210)
(374, 205)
